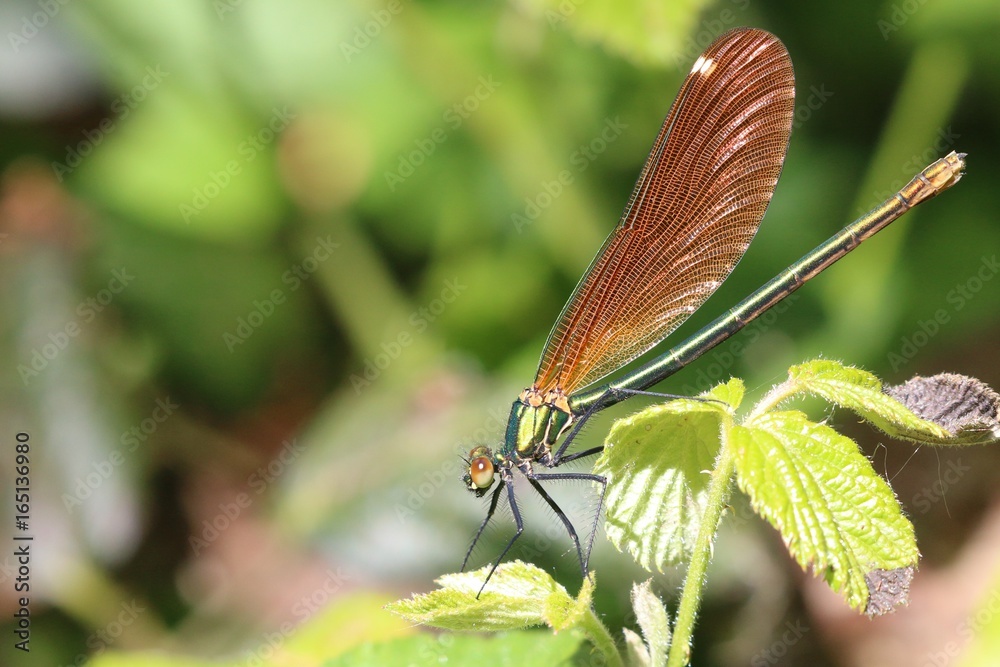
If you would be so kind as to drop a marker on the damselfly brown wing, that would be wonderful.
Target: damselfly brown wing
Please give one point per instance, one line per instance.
(694, 210)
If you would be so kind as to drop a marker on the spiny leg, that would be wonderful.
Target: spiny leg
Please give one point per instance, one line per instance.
(517, 534)
(562, 517)
(576, 455)
(482, 526)
(580, 421)
(603, 481)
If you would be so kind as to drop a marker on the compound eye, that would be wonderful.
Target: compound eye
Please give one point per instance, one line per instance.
(481, 472)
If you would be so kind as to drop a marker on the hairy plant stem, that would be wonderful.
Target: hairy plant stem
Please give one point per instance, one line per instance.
(718, 493)
(773, 398)
(601, 638)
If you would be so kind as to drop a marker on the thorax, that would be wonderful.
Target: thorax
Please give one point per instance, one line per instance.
(536, 422)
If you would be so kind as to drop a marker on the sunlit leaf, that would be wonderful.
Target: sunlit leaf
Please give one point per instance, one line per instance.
(657, 464)
(860, 391)
(519, 595)
(833, 511)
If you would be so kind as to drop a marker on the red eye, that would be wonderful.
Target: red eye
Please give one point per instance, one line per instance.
(481, 472)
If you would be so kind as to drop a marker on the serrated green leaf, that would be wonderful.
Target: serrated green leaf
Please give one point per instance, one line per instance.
(861, 392)
(833, 511)
(563, 612)
(516, 649)
(519, 595)
(731, 393)
(656, 463)
(654, 622)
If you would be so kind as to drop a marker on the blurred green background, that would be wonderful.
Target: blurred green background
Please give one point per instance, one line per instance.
(267, 269)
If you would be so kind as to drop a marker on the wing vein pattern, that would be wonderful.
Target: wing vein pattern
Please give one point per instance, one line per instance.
(694, 210)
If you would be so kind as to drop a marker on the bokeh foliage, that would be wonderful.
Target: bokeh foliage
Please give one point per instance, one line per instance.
(349, 227)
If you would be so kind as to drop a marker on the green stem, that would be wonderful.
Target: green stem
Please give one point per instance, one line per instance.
(773, 398)
(687, 611)
(601, 639)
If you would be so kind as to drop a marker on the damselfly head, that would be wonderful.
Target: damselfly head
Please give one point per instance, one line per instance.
(482, 470)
